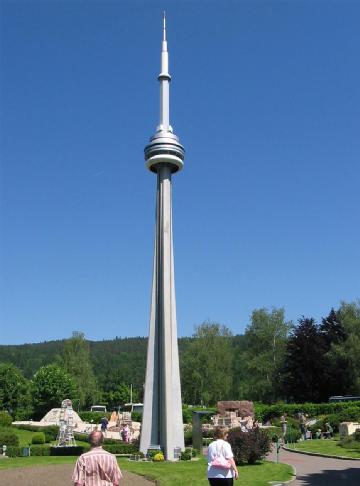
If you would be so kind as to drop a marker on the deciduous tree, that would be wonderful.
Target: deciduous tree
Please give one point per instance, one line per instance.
(14, 390)
(265, 344)
(207, 365)
(51, 385)
(76, 361)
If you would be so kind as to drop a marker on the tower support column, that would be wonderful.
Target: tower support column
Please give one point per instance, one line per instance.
(162, 416)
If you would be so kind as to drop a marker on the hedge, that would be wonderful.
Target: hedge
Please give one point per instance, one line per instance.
(47, 450)
(269, 412)
(40, 450)
(121, 448)
(51, 431)
(68, 451)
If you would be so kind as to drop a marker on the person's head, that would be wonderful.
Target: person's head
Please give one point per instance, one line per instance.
(221, 433)
(96, 438)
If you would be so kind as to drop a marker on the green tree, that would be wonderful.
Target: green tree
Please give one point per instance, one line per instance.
(346, 353)
(14, 390)
(265, 340)
(335, 379)
(51, 385)
(206, 365)
(240, 375)
(303, 367)
(332, 329)
(119, 396)
(76, 361)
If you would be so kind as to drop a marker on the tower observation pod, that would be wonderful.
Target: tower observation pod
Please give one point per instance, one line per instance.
(162, 426)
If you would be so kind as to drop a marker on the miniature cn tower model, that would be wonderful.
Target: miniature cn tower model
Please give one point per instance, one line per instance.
(162, 425)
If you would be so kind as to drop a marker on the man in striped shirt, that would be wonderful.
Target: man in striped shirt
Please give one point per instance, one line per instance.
(96, 467)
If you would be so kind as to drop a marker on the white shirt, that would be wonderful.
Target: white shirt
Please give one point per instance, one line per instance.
(219, 448)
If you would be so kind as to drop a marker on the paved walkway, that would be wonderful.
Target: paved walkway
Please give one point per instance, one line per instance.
(321, 471)
(58, 475)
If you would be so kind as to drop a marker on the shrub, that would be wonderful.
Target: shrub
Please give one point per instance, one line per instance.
(351, 442)
(159, 457)
(292, 436)
(112, 441)
(5, 419)
(152, 452)
(38, 438)
(136, 416)
(82, 437)
(188, 436)
(8, 438)
(121, 448)
(49, 437)
(14, 451)
(40, 450)
(186, 455)
(249, 446)
(208, 433)
(187, 415)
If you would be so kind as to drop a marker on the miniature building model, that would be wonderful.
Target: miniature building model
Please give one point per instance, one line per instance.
(234, 414)
(66, 425)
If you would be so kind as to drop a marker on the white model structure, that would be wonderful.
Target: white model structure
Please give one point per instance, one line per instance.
(162, 425)
(66, 425)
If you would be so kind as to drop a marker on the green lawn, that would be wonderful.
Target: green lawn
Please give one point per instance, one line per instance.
(194, 472)
(326, 446)
(172, 474)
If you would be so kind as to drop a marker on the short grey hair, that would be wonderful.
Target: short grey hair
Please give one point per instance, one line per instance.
(96, 438)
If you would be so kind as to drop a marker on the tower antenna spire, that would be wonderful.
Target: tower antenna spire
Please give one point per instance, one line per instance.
(164, 78)
(164, 26)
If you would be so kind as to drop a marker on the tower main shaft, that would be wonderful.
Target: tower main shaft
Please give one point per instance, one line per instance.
(162, 424)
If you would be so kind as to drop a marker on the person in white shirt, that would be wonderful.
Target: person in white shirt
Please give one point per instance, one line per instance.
(219, 451)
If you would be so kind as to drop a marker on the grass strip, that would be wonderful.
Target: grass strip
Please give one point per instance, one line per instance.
(329, 447)
(194, 472)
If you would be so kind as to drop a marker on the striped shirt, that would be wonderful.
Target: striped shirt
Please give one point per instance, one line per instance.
(97, 468)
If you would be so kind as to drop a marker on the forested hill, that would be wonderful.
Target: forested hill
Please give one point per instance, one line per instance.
(273, 360)
(113, 361)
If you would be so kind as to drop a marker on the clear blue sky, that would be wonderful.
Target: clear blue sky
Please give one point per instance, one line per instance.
(265, 98)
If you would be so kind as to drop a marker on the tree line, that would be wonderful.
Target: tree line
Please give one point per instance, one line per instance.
(274, 360)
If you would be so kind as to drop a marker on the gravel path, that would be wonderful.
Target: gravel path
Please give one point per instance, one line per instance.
(322, 471)
(58, 475)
